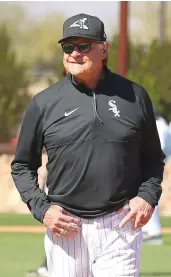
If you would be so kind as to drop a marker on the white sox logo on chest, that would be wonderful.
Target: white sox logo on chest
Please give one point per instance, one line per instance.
(114, 108)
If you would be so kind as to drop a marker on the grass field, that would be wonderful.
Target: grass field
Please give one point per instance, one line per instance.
(11, 219)
(20, 252)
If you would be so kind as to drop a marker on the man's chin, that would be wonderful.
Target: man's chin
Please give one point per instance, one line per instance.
(77, 73)
(77, 69)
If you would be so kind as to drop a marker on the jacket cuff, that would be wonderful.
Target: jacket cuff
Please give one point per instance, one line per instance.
(151, 199)
(39, 215)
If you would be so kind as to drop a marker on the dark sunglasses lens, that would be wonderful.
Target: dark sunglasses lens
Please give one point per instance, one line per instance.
(84, 47)
(68, 47)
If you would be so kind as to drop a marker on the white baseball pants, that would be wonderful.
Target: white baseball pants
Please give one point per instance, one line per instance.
(101, 249)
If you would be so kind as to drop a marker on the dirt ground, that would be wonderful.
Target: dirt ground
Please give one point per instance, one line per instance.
(42, 229)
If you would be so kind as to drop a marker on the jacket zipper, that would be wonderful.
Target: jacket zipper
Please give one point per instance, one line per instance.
(95, 112)
(95, 108)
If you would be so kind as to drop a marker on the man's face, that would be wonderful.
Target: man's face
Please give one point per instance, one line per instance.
(83, 64)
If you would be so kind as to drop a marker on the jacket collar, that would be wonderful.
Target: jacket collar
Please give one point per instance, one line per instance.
(101, 86)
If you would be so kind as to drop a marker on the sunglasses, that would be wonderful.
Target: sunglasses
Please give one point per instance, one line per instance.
(83, 47)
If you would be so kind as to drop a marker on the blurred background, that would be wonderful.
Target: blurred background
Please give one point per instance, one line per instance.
(139, 34)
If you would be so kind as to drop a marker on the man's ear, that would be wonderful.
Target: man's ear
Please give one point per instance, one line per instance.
(105, 49)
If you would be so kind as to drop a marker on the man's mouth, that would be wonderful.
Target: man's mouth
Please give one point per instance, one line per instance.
(77, 62)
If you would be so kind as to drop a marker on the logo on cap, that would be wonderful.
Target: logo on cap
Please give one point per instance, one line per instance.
(80, 23)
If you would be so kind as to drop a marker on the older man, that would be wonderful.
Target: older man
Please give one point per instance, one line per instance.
(105, 163)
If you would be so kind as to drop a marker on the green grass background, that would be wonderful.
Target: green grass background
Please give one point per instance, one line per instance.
(11, 219)
(20, 252)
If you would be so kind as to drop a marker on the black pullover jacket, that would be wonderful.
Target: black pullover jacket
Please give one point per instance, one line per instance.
(103, 147)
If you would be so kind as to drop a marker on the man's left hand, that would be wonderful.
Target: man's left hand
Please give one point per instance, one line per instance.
(140, 211)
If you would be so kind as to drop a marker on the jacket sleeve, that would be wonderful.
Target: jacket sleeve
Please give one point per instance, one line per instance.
(152, 155)
(27, 160)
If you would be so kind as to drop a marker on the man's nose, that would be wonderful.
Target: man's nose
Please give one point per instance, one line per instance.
(76, 52)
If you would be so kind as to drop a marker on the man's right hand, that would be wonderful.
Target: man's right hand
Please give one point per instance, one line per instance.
(61, 224)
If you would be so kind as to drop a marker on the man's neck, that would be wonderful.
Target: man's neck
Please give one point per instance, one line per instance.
(91, 81)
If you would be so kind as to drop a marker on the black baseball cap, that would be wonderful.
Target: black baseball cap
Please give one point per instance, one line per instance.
(85, 26)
